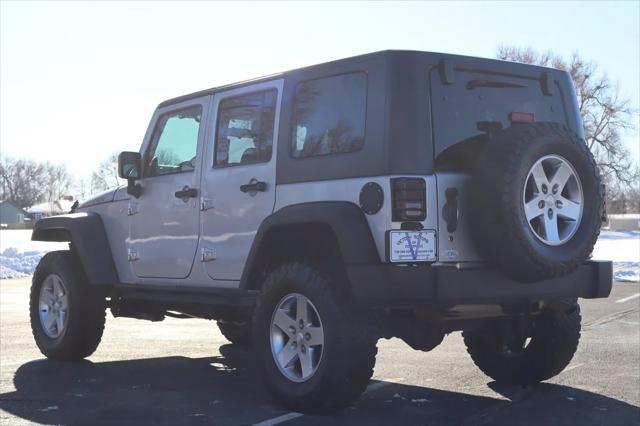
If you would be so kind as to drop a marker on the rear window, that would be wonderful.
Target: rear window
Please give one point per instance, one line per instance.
(245, 129)
(479, 98)
(329, 115)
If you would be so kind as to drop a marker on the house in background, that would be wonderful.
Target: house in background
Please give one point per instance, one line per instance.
(51, 208)
(11, 215)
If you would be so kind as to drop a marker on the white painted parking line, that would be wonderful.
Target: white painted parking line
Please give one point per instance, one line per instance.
(571, 367)
(626, 299)
(280, 419)
(293, 415)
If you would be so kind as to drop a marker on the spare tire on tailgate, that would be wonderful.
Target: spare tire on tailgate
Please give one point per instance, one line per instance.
(538, 201)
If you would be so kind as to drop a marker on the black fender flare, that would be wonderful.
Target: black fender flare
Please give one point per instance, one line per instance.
(346, 219)
(86, 233)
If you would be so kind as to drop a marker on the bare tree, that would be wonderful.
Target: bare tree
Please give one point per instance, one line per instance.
(605, 114)
(57, 182)
(82, 187)
(22, 181)
(26, 182)
(633, 197)
(106, 176)
(622, 199)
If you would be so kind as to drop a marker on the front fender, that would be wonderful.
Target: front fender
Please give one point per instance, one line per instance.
(86, 233)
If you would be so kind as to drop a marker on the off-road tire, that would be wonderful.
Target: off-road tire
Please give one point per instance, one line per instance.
(86, 309)
(553, 343)
(349, 351)
(238, 333)
(501, 230)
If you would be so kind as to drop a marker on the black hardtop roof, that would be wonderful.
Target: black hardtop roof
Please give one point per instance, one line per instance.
(411, 55)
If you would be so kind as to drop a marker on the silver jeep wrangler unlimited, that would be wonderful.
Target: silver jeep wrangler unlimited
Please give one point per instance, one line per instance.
(310, 213)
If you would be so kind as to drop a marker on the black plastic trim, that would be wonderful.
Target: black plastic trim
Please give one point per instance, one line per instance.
(85, 232)
(187, 295)
(425, 285)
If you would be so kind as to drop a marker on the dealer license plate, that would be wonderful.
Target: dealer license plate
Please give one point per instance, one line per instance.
(412, 246)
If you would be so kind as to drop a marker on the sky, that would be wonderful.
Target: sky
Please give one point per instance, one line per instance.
(80, 80)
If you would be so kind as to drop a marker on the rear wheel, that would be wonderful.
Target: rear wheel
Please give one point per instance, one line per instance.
(510, 354)
(314, 347)
(67, 316)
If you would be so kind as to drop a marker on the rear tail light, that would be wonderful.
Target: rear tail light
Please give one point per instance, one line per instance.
(409, 199)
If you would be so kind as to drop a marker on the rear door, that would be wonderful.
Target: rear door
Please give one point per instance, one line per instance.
(239, 175)
(163, 236)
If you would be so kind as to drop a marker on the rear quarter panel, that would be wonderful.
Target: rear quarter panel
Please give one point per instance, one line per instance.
(349, 190)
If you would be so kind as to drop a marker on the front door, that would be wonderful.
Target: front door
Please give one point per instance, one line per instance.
(239, 175)
(165, 219)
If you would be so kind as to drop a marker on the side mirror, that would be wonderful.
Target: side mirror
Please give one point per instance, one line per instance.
(129, 165)
(129, 168)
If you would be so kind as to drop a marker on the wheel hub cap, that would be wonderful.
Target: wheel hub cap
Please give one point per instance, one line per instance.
(297, 337)
(53, 306)
(553, 200)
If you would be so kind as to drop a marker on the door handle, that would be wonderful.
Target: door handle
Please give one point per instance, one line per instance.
(186, 192)
(254, 186)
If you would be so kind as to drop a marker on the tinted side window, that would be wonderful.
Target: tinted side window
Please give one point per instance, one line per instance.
(174, 144)
(245, 129)
(329, 115)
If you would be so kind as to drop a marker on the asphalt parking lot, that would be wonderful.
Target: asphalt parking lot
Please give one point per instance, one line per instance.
(185, 372)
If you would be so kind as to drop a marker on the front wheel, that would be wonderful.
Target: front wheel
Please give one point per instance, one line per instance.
(67, 316)
(509, 353)
(314, 348)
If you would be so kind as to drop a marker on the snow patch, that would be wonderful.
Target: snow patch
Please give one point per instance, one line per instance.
(618, 246)
(623, 248)
(14, 264)
(19, 256)
(627, 275)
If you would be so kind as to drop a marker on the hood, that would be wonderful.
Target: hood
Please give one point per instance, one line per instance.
(101, 198)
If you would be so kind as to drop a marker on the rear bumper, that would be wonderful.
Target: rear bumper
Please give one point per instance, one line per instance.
(392, 285)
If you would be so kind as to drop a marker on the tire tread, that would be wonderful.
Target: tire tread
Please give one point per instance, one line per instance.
(543, 359)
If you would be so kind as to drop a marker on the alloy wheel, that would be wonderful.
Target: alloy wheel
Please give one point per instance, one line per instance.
(553, 200)
(297, 337)
(53, 306)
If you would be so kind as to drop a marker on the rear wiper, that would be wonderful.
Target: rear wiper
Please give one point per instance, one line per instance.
(474, 84)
